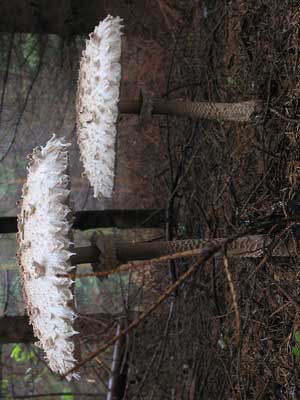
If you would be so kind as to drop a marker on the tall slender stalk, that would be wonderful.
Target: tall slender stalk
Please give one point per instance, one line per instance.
(244, 111)
(252, 246)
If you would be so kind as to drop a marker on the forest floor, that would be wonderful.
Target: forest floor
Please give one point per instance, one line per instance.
(234, 332)
(231, 331)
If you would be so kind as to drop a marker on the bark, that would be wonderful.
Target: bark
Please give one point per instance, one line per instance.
(61, 17)
(2, 394)
(118, 376)
(123, 219)
(73, 17)
(16, 329)
(237, 112)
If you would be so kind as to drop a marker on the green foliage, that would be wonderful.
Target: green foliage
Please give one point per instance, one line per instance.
(86, 289)
(20, 355)
(223, 342)
(5, 40)
(295, 349)
(231, 82)
(16, 288)
(9, 176)
(4, 389)
(28, 374)
(182, 230)
(6, 177)
(67, 397)
(21, 161)
(30, 51)
(27, 48)
(31, 376)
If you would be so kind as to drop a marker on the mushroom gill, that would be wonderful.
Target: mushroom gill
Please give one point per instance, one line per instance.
(97, 104)
(44, 226)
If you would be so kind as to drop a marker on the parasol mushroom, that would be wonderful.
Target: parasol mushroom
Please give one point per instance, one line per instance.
(46, 254)
(98, 105)
(44, 251)
(45, 259)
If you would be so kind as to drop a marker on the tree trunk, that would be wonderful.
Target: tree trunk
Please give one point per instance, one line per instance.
(77, 17)
(16, 329)
(61, 17)
(119, 368)
(237, 112)
(123, 219)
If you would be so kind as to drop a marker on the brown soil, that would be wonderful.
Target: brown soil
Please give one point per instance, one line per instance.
(220, 179)
(230, 333)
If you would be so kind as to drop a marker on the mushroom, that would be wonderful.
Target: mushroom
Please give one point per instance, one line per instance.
(98, 105)
(45, 258)
(43, 253)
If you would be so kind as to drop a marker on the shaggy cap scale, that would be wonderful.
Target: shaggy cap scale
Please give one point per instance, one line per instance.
(43, 236)
(97, 104)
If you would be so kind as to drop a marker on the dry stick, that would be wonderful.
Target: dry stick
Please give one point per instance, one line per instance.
(280, 308)
(236, 312)
(115, 367)
(234, 297)
(207, 253)
(270, 250)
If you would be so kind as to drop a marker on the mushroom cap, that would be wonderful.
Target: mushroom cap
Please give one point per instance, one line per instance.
(97, 104)
(44, 226)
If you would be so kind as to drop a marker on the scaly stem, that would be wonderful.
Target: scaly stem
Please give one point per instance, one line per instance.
(121, 252)
(238, 112)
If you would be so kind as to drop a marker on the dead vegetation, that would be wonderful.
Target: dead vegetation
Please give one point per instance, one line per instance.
(232, 330)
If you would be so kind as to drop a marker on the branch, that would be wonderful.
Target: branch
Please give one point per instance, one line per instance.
(205, 256)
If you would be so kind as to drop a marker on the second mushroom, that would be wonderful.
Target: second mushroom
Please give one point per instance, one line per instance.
(98, 105)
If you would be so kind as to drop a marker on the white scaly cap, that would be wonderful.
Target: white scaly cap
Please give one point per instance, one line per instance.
(97, 104)
(44, 226)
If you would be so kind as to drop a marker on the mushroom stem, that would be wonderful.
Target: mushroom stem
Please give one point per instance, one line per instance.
(249, 246)
(84, 255)
(238, 112)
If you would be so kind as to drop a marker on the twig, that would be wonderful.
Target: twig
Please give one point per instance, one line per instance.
(296, 121)
(38, 396)
(5, 78)
(7, 290)
(206, 255)
(234, 297)
(280, 308)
